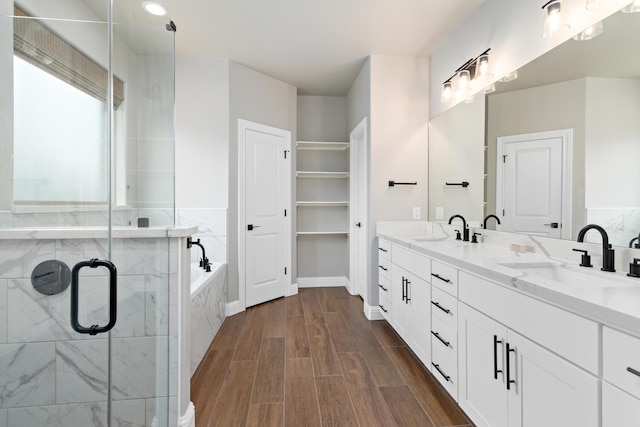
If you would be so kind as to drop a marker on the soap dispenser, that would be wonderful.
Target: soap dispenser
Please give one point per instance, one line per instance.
(634, 268)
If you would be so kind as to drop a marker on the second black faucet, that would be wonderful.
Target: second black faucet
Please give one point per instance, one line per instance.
(465, 228)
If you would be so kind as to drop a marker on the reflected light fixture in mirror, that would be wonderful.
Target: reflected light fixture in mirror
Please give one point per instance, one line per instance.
(464, 85)
(553, 22)
(590, 32)
(596, 4)
(631, 8)
(154, 8)
(509, 77)
(447, 91)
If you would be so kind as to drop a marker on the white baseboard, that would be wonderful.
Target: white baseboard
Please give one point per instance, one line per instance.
(292, 290)
(322, 282)
(233, 307)
(372, 312)
(189, 417)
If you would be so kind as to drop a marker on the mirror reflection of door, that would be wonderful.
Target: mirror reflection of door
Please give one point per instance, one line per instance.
(532, 185)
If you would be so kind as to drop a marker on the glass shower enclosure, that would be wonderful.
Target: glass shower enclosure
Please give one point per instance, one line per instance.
(87, 271)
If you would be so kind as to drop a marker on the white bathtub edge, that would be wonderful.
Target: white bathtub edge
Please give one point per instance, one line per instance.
(189, 417)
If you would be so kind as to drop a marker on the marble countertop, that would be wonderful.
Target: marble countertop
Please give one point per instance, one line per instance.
(95, 232)
(610, 298)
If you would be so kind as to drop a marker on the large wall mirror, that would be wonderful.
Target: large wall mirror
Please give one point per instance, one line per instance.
(553, 150)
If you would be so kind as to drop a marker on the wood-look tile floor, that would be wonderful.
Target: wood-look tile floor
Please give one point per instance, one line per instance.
(314, 360)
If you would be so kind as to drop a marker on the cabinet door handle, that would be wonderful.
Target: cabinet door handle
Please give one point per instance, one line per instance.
(446, 377)
(633, 371)
(437, 276)
(509, 380)
(383, 309)
(407, 299)
(383, 288)
(382, 249)
(496, 371)
(437, 335)
(437, 304)
(382, 267)
(404, 294)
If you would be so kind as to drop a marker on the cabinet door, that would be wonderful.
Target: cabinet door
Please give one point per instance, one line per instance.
(401, 302)
(421, 318)
(618, 408)
(548, 391)
(482, 390)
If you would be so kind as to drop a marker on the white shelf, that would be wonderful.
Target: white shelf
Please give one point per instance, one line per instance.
(316, 174)
(321, 233)
(313, 145)
(321, 204)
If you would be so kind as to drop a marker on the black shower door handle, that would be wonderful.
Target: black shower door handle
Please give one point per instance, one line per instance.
(113, 297)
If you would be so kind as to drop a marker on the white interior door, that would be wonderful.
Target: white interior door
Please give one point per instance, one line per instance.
(358, 266)
(266, 212)
(532, 183)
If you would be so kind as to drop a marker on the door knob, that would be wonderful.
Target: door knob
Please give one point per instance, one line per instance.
(553, 225)
(358, 224)
(250, 227)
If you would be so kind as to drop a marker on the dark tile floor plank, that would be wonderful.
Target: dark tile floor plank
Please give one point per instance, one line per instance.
(382, 368)
(276, 318)
(325, 360)
(339, 292)
(294, 305)
(433, 398)
(404, 407)
(266, 415)
(341, 335)
(235, 396)
(250, 340)
(335, 404)
(352, 311)
(206, 386)
(301, 401)
(370, 407)
(385, 334)
(227, 336)
(327, 301)
(297, 342)
(269, 383)
(312, 309)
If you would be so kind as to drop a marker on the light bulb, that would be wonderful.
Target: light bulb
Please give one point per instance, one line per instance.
(464, 79)
(553, 24)
(447, 91)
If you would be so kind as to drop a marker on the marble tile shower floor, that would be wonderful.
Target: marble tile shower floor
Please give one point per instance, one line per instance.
(313, 359)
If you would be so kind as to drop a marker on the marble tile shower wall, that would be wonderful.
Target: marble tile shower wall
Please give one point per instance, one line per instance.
(52, 375)
(121, 217)
(212, 231)
(622, 224)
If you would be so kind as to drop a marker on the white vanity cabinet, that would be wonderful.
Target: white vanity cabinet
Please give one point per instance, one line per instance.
(509, 380)
(410, 300)
(384, 279)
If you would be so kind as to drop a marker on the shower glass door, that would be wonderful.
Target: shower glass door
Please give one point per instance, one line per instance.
(86, 196)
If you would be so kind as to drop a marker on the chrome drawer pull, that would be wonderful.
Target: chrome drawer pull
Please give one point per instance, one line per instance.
(446, 377)
(446, 310)
(633, 371)
(437, 276)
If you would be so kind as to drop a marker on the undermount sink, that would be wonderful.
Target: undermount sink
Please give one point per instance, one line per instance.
(560, 274)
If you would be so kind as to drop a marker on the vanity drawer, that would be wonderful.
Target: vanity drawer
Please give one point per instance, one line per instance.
(445, 372)
(384, 269)
(621, 360)
(444, 307)
(444, 338)
(385, 306)
(412, 261)
(384, 248)
(384, 288)
(445, 277)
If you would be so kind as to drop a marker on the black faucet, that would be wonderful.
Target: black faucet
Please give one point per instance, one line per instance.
(465, 230)
(204, 261)
(484, 223)
(608, 254)
(637, 242)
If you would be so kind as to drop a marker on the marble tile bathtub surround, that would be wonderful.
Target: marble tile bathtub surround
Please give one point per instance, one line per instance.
(212, 231)
(28, 374)
(4, 285)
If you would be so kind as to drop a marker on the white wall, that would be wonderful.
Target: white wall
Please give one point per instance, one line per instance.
(398, 143)
(262, 99)
(512, 29)
(322, 118)
(612, 143)
(359, 98)
(202, 133)
(456, 143)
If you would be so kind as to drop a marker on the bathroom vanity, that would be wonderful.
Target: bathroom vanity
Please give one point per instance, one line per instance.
(516, 338)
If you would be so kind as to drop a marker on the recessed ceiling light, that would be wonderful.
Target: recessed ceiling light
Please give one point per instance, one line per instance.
(154, 8)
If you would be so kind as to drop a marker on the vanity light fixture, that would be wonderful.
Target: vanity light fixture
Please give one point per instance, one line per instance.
(154, 8)
(463, 82)
(509, 77)
(590, 32)
(632, 7)
(490, 89)
(553, 23)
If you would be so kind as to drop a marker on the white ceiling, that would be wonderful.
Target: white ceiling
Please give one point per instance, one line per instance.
(317, 46)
